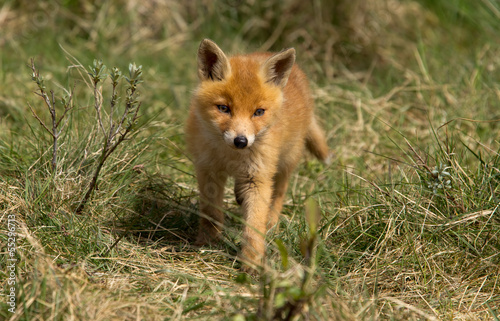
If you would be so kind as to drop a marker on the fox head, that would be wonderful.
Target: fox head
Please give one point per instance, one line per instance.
(238, 99)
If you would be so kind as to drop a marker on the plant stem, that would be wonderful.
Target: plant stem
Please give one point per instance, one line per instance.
(93, 183)
(55, 135)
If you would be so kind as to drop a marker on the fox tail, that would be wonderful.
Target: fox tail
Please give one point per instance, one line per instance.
(316, 142)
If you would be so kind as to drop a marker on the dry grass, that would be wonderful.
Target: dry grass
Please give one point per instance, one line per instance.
(401, 87)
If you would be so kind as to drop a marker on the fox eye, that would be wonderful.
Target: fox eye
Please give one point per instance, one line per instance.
(259, 112)
(224, 109)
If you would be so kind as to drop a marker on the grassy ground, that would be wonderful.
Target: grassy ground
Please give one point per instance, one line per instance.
(409, 228)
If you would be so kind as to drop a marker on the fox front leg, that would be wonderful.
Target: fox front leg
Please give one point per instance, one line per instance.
(255, 194)
(211, 189)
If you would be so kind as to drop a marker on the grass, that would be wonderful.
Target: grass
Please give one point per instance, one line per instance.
(407, 91)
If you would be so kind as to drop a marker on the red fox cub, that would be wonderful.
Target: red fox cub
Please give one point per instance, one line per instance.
(250, 118)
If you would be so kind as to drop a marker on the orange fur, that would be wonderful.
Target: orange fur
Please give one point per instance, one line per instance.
(259, 149)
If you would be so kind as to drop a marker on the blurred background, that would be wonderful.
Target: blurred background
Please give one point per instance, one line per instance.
(354, 51)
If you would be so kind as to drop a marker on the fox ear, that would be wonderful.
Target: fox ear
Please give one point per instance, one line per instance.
(212, 62)
(278, 67)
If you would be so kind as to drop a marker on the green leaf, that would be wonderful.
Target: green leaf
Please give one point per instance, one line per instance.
(295, 293)
(242, 278)
(238, 317)
(283, 253)
(280, 300)
(97, 71)
(115, 75)
(312, 216)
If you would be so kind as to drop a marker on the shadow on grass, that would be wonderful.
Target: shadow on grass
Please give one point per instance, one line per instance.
(161, 211)
(166, 214)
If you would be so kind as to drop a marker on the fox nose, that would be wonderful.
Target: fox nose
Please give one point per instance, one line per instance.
(240, 142)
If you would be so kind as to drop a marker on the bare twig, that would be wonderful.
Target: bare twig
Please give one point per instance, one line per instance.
(67, 102)
(39, 120)
(50, 102)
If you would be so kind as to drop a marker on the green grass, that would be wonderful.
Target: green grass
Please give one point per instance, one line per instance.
(402, 87)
